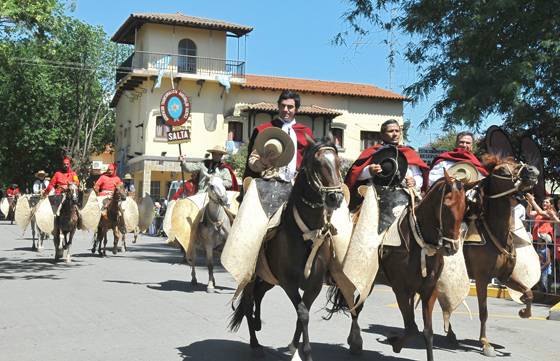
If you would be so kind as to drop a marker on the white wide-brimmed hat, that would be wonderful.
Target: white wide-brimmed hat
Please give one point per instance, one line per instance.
(278, 142)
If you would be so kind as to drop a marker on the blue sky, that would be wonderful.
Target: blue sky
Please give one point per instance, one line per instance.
(290, 38)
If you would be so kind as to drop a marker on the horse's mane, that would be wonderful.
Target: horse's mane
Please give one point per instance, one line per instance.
(491, 161)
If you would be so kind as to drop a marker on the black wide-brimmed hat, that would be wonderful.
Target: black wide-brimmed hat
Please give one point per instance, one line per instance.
(393, 166)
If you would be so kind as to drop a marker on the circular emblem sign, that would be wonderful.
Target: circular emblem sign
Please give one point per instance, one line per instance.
(175, 107)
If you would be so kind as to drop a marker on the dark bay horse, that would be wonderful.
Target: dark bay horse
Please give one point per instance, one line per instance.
(317, 192)
(435, 223)
(496, 258)
(66, 222)
(111, 219)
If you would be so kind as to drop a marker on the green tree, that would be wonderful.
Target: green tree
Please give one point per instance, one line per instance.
(54, 93)
(489, 57)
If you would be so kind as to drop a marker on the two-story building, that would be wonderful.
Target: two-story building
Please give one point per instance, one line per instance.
(189, 53)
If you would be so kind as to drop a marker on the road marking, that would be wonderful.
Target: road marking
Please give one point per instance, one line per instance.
(490, 315)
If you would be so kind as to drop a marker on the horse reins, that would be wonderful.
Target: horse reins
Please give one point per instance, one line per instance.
(315, 182)
(428, 249)
(513, 178)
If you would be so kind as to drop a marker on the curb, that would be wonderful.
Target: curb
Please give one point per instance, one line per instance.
(494, 292)
(554, 313)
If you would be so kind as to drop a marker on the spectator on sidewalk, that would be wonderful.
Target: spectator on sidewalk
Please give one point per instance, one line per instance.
(545, 260)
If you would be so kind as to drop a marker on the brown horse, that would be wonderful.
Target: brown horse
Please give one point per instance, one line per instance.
(411, 268)
(66, 222)
(111, 219)
(317, 192)
(496, 258)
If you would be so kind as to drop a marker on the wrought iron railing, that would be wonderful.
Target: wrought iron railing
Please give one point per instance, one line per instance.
(180, 64)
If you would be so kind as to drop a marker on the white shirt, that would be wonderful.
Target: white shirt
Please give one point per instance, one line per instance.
(288, 172)
(39, 185)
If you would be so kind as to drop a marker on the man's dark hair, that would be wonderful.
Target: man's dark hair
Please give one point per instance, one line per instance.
(386, 124)
(462, 134)
(288, 94)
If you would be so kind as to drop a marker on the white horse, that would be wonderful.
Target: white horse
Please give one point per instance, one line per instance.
(214, 227)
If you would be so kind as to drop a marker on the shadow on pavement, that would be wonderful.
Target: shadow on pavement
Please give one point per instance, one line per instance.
(236, 350)
(176, 285)
(440, 341)
(31, 269)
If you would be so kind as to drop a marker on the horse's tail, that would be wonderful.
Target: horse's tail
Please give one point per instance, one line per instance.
(244, 303)
(336, 299)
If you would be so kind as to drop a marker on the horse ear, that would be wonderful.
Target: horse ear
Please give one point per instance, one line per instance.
(448, 178)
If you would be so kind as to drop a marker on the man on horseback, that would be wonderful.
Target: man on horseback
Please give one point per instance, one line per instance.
(106, 184)
(258, 165)
(461, 153)
(40, 182)
(364, 168)
(62, 179)
(214, 166)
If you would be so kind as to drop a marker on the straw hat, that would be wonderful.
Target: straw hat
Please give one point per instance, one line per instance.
(127, 176)
(464, 172)
(278, 142)
(41, 173)
(217, 149)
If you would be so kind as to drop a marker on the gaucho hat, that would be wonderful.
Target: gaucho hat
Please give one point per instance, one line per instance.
(277, 141)
(464, 172)
(393, 166)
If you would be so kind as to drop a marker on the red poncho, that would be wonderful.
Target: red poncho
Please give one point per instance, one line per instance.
(461, 155)
(365, 159)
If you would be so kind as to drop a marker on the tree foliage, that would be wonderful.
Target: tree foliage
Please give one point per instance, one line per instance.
(54, 92)
(489, 57)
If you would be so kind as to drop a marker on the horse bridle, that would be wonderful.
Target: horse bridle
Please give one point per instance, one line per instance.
(418, 232)
(314, 181)
(514, 178)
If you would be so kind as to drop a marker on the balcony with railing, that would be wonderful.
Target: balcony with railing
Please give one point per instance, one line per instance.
(179, 65)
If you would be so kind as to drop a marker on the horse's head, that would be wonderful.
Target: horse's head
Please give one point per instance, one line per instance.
(72, 192)
(217, 191)
(441, 213)
(322, 169)
(120, 192)
(508, 176)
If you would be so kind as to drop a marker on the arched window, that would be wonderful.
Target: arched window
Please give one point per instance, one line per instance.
(187, 56)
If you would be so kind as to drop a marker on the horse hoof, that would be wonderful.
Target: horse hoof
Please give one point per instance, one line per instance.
(356, 348)
(210, 289)
(258, 352)
(257, 324)
(524, 313)
(292, 349)
(115, 250)
(488, 351)
(194, 282)
(394, 341)
(452, 340)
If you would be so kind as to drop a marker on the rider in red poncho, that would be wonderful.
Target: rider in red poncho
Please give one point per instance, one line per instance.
(62, 178)
(108, 182)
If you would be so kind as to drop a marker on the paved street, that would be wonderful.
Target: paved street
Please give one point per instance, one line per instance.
(140, 306)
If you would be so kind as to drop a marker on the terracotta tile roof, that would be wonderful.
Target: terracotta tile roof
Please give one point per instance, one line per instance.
(319, 86)
(125, 34)
(304, 109)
